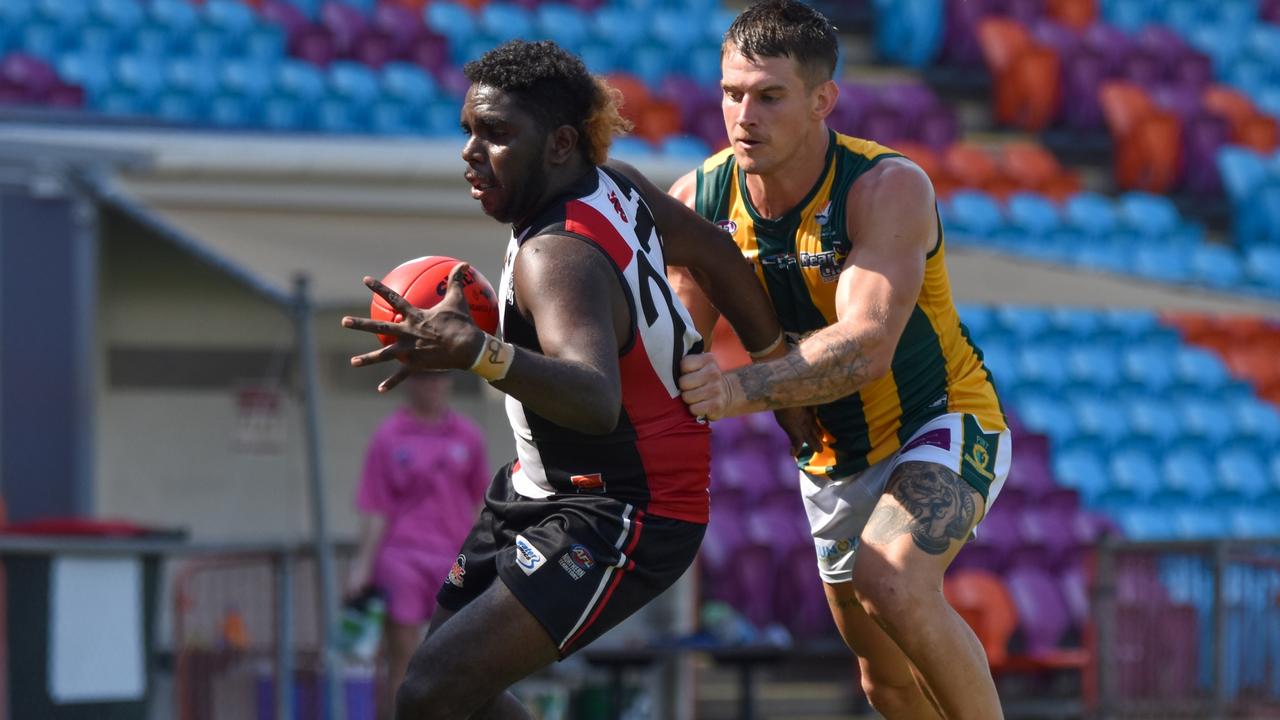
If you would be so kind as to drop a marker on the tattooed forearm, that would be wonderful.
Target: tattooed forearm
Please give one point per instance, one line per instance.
(828, 366)
(929, 501)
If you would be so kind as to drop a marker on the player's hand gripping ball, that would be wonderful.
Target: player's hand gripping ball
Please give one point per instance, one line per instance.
(423, 283)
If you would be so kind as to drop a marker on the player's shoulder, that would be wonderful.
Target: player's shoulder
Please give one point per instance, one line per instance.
(865, 149)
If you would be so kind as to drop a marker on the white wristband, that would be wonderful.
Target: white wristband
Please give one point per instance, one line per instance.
(759, 354)
(494, 360)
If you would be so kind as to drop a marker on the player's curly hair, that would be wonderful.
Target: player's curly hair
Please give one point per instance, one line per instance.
(786, 28)
(557, 89)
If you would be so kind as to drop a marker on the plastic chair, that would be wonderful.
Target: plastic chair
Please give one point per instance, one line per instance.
(1082, 470)
(970, 165)
(1241, 474)
(1027, 85)
(354, 82)
(1150, 420)
(407, 83)
(301, 81)
(974, 214)
(1135, 478)
(1206, 420)
(1199, 370)
(229, 17)
(564, 24)
(451, 20)
(505, 21)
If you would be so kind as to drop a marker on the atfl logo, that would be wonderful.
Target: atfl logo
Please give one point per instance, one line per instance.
(728, 226)
(457, 572)
(577, 561)
(617, 206)
(527, 556)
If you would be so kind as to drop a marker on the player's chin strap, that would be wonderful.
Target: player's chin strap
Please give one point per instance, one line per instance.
(494, 361)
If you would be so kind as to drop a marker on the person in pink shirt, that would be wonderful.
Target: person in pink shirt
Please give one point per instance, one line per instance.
(424, 478)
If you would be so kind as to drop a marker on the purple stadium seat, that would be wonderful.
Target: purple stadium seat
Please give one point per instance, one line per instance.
(315, 45)
(11, 94)
(1202, 136)
(345, 23)
(1162, 45)
(960, 36)
(430, 51)
(1042, 613)
(883, 123)
(284, 14)
(748, 584)
(1083, 73)
(1110, 44)
(33, 77)
(1029, 470)
(1269, 10)
(938, 128)
(1073, 581)
(1045, 532)
(452, 81)
(374, 48)
(996, 537)
(402, 25)
(798, 598)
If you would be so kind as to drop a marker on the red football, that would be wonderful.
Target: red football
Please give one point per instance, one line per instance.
(423, 282)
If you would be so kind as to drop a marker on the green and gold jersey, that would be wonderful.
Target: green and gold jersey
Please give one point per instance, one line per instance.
(936, 368)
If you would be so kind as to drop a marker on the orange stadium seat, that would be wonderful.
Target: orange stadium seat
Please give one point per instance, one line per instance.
(1032, 167)
(1075, 14)
(981, 598)
(1027, 75)
(1249, 126)
(931, 163)
(969, 165)
(657, 120)
(1148, 140)
(635, 95)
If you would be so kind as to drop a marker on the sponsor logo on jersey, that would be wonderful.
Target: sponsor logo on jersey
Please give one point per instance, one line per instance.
(828, 263)
(617, 206)
(528, 557)
(828, 549)
(457, 572)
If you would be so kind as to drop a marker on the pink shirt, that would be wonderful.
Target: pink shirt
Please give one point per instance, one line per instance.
(427, 479)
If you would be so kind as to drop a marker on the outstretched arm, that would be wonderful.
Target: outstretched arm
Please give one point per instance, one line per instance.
(893, 226)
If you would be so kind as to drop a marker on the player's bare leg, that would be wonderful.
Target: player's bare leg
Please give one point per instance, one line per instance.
(917, 528)
(465, 665)
(887, 676)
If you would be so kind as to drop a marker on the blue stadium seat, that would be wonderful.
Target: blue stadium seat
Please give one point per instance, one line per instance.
(408, 83)
(505, 21)
(139, 77)
(89, 73)
(1043, 365)
(1205, 419)
(1154, 217)
(1083, 470)
(42, 40)
(387, 117)
(974, 214)
(1217, 266)
(177, 16)
(1141, 523)
(1263, 42)
(719, 21)
(150, 41)
(564, 24)
(979, 319)
(337, 117)
(649, 62)
(178, 108)
(97, 40)
(1135, 478)
(16, 13)
(1262, 266)
(704, 65)
(1100, 420)
(617, 27)
(1187, 477)
(1242, 474)
(1130, 325)
(232, 111)
(300, 80)
(443, 116)
(65, 15)
(1048, 415)
(600, 57)
(353, 82)
(285, 113)
(1022, 322)
(118, 14)
(264, 43)
(1195, 522)
(684, 146)
(1257, 421)
(452, 20)
(1075, 323)
(1152, 420)
(631, 147)
(1148, 366)
(908, 32)
(211, 44)
(1092, 214)
(229, 17)
(247, 79)
(1032, 214)
(196, 77)
(1183, 15)
(1252, 522)
(120, 103)
(1094, 366)
(676, 30)
(1199, 369)
(1268, 100)
(999, 357)
(1243, 171)
(1159, 262)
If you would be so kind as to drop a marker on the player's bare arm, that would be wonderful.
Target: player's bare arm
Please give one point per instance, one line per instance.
(715, 262)
(687, 287)
(893, 226)
(578, 334)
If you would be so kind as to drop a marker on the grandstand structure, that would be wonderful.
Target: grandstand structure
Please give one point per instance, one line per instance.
(1108, 176)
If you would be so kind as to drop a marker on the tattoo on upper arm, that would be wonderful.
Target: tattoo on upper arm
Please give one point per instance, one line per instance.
(936, 507)
(840, 368)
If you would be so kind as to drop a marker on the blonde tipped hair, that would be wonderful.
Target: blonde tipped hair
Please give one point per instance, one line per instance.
(604, 121)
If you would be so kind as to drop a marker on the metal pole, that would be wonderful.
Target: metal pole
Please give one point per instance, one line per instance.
(315, 477)
(1104, 606)
(1219, 630)
(284, 636)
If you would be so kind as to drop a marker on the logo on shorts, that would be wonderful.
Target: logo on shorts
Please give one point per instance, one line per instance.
(591, 482)
(528, 557)
(458, 570)
(728, 226)
(980, 454)
(938, 437)
(828, 550)
(577, 561)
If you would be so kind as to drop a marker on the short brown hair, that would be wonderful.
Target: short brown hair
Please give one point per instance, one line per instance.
(786, 28)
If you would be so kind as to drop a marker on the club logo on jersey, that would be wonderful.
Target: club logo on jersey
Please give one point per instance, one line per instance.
(577, 561)
(728, 226)
(591, 482)
(617, 206)
(823, 214)
(457, 572)
(528, 557)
